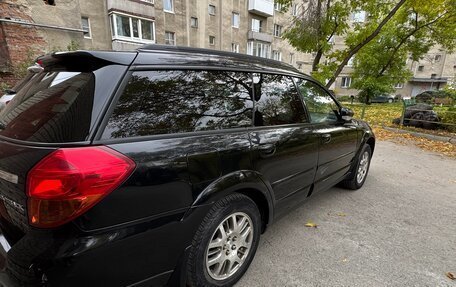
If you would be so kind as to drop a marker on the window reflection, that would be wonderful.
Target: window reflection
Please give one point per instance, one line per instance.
(278, 101)
(163, 102)
(321, 106)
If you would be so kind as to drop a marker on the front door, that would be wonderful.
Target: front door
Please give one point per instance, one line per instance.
(337, 139)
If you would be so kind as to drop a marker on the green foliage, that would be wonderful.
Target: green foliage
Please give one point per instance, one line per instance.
(73, 46)
(416, 26)
(449, 117)
(20, 70)
(3, 86)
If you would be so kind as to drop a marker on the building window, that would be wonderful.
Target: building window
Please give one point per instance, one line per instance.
(277, 55)
(85, 23)
(132, 28)
(257, 25)
(278, 6)
(359, 17)
(194, 22)
(294, 9)
(168, 5)
(258, 49)
(350, 62)
(437, 58)
(211, 9)
(235, 20)
(212, 40)
(346, 82)
(234, 48)
(332, 40)
(291, 58)
(399, 85)
(170, 38)
(277, 30)
(433, 76)
(420, 68)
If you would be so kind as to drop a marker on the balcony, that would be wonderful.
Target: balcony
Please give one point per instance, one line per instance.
(262, 7)
(259, 36)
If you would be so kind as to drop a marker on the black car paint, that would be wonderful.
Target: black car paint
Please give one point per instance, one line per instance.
(139, 234)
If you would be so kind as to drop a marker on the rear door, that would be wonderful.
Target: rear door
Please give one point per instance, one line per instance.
(284, 145)
(337, 139)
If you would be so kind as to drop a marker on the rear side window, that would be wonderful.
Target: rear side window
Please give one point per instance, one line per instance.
(278, 102)
(179, 101)
(59, 106)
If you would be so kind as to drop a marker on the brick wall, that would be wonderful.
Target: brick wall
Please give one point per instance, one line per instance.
(18, 43)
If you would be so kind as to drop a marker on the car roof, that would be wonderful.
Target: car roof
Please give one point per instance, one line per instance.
(167, 56)
(197, 57)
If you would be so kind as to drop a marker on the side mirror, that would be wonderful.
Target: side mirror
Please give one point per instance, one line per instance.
(346, 114)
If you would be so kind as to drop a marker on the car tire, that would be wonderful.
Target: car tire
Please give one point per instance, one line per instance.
(233, 247)
(390, 101)
(359, 173)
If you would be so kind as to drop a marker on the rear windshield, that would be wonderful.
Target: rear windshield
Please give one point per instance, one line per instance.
(59, 106)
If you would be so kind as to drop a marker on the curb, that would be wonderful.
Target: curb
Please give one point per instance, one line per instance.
(451, 140)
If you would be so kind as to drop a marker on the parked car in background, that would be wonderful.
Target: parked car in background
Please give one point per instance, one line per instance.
(162, 166)
(10, 93)
(383, 99)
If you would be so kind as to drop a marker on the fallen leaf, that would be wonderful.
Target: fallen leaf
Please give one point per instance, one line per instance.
(451, 276)
(310, 224)
(345, 260)
(341, 214)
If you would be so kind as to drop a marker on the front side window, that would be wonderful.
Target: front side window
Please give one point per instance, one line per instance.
(165, 102)
(320, 105)
(278, 102)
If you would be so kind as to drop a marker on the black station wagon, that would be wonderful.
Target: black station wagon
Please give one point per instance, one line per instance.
(162, 166)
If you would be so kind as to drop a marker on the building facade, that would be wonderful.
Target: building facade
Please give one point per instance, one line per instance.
(254, 27)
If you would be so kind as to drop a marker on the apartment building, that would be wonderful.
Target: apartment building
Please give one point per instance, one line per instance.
(253, 27)
(29, 28)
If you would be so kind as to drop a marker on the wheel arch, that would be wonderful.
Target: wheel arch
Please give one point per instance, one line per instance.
(248, 183)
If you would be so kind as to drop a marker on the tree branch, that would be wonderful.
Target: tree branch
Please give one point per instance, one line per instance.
(404, 40)
(369, 38)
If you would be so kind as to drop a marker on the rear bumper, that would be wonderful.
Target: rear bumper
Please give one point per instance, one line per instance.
(149, 253)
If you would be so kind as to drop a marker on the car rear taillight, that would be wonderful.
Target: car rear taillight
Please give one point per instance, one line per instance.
(69, 181)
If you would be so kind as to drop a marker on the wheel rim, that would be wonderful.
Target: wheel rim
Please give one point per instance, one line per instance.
(229, 246)
(362, 168)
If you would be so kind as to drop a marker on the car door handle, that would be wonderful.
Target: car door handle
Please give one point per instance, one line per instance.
(325, 138)
(267, 149)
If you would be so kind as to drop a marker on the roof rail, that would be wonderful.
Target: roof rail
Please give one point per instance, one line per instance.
(184, 49)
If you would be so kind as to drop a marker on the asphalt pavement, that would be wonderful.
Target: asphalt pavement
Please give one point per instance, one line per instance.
(398, 230)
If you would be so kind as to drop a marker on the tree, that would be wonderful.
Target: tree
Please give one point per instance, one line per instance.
(322, 19)
(416, 28)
